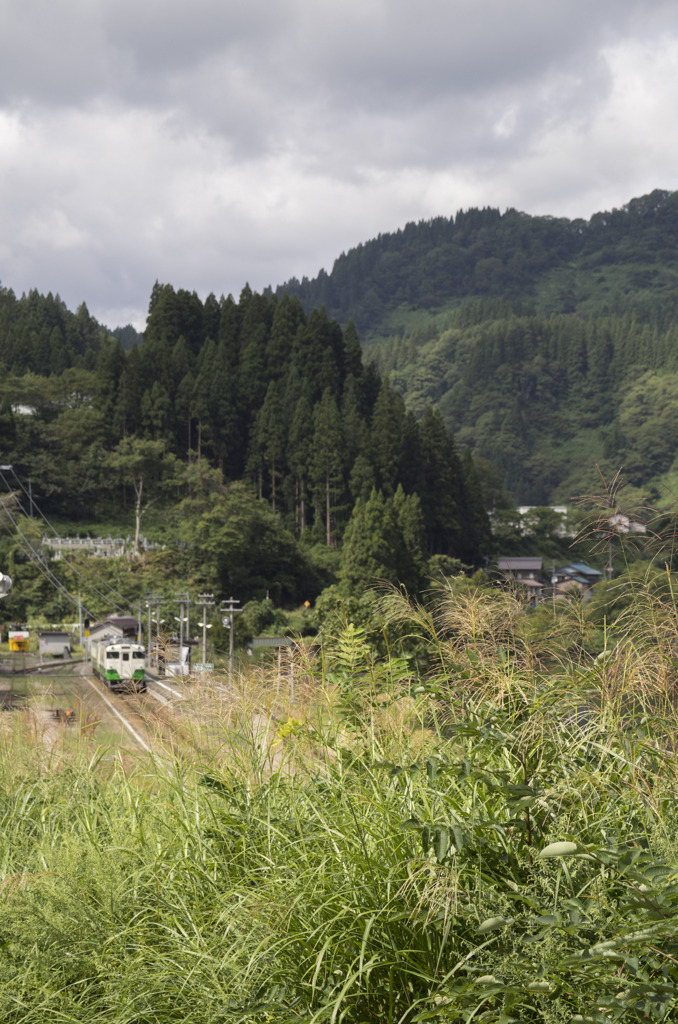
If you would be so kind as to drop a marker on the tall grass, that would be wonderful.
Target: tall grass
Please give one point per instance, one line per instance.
(377, 846)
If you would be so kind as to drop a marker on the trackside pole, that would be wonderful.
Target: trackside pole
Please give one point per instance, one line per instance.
(228, 610)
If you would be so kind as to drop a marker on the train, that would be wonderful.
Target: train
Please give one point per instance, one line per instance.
(119, 663)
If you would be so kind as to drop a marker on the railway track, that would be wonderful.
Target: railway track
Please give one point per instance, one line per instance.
(148, 718)
(161, 692)
(154, 719)
(161, 721)
(105, 697)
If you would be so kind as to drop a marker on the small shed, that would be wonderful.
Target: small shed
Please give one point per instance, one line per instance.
(54, 643)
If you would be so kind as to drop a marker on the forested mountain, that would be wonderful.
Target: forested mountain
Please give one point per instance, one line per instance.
(254, 395)
(547, 347)
(39, 333)
(550, 346)
(613, 262)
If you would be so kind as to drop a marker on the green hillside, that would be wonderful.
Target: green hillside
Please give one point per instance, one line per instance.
(250, 438)
(549, 345)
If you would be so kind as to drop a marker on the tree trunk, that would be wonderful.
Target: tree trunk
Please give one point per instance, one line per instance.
(297, 518)
(328, 524)
(138, 491)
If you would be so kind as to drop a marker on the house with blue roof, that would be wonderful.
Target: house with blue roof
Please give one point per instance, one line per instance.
(576, 576)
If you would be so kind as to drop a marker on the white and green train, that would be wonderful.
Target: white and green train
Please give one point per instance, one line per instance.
(119, 663)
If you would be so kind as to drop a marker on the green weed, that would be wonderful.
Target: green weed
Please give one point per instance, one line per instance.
(492, 837)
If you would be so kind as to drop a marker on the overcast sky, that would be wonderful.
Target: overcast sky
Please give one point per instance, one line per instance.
(215, 142)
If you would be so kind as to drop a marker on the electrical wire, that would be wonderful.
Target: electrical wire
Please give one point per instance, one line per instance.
(74, 567)
(28, 495)
(56, 534)
(47, 573)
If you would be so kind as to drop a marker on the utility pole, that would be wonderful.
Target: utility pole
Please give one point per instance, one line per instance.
(158, 603)
(228, 610)
(206, 600)
(183, 600)
(86, 641)
(151, 599)
(148, 635)
(181, 623)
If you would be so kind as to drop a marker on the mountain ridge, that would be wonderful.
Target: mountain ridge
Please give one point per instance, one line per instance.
(482, 252)
(544, 342)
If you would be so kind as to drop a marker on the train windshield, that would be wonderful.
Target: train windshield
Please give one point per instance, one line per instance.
(112, 654)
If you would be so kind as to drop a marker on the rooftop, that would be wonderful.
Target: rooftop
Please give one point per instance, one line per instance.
(520, 563)
(581, 568)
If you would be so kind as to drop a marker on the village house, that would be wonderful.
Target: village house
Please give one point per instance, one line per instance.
(526, 571)
(575, 577)
(121, 626)
(521, 569)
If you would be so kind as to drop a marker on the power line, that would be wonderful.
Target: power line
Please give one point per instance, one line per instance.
(56, 534)
(29, 496)
(49, 575)
(74, 567)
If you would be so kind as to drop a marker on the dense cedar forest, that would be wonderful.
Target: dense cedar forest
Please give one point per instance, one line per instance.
(549, 346)
(248, 412)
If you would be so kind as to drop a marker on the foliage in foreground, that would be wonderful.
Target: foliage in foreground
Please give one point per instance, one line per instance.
(483, 842)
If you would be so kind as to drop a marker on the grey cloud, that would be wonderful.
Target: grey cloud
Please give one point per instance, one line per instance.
(218, 141)
(374, 53)
(443, 74)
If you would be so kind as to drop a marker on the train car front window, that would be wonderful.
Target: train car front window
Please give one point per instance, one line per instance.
(112, 654)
